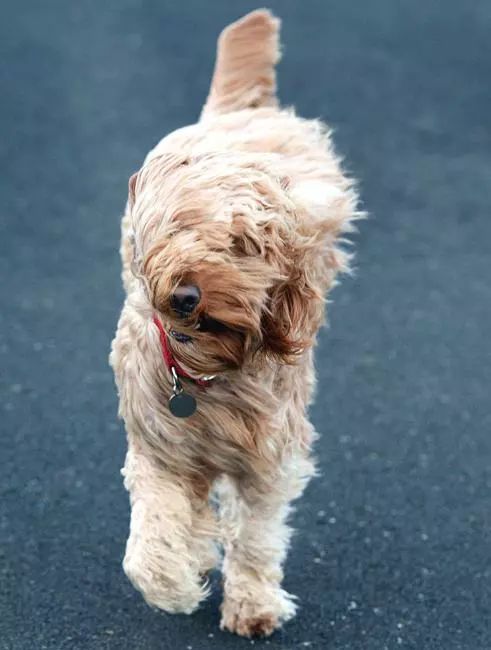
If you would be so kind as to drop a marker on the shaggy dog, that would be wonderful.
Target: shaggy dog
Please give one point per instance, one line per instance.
(231, 240)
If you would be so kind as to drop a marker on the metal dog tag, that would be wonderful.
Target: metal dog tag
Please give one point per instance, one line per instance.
(181, 404)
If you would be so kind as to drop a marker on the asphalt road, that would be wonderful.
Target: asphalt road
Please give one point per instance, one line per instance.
(393, 544)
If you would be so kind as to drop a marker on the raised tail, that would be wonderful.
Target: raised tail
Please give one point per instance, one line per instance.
(244, 75)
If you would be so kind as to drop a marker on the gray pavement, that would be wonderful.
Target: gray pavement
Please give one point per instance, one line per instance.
(393, 544)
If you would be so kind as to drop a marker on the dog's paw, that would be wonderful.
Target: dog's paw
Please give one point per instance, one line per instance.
(251, 618)
(173, 588)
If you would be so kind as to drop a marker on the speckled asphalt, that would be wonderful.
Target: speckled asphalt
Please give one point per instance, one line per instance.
(393, 544)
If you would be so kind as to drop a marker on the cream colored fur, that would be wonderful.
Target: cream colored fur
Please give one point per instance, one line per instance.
(250, 204)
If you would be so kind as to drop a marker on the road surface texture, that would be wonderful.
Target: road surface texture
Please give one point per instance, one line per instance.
(393, 544)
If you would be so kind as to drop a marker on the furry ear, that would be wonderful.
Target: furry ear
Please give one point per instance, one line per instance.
(291, 318)
(295, 304)
(159, 166)
(308, 258)
(132, 189)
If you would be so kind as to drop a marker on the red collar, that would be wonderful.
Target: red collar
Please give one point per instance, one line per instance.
(169, 359)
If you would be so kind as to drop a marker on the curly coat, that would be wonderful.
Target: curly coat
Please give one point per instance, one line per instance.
(250, 204)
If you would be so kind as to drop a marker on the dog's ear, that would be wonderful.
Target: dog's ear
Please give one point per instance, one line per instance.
(132, 189)
(293, 313)
(308, 259)
(160, 166)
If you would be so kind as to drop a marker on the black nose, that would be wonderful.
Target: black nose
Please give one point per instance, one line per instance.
(185, 299)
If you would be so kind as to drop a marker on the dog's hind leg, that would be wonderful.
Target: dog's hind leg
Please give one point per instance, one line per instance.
(171, 542)
(244, 75)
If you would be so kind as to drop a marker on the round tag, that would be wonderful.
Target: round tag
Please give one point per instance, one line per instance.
(182, 405)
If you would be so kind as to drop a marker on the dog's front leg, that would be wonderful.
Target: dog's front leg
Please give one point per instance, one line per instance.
(257, 537)
(170, 547)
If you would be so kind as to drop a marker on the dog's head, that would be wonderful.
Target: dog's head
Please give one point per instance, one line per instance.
(235, 266)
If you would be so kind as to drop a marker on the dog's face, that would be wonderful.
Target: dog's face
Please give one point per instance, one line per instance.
(224, 265)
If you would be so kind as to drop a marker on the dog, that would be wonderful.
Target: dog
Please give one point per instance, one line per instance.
(233, 234)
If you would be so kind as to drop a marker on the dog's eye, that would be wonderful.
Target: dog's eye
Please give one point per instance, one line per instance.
(179, 336)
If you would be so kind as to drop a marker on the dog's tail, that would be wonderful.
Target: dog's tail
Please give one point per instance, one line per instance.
(244, 75)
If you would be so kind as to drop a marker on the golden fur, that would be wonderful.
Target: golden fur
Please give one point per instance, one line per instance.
(250, 204)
